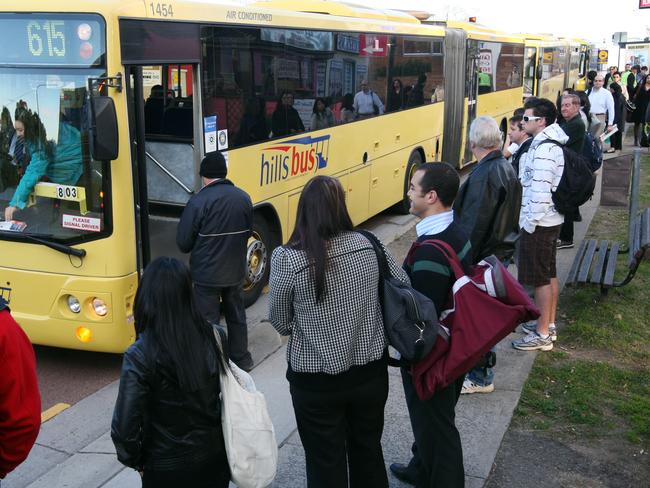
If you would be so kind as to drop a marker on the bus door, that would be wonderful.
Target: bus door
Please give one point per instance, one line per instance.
(530, 72)
(167, 145)
(471, 91)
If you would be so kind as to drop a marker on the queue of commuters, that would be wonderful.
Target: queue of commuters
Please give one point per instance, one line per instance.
(167, 420)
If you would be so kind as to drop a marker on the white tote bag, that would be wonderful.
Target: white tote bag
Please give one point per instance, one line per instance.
(247, 429)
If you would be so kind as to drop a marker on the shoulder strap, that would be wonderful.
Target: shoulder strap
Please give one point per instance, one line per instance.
(449, 253)
(384, 270)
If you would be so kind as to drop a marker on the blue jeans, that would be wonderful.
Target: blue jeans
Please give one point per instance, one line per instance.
(481, 376)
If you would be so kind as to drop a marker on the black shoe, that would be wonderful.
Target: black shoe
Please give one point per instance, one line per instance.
(403, 473)
(564, 244)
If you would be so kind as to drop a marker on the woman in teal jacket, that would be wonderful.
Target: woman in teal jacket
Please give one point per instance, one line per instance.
(60, 163)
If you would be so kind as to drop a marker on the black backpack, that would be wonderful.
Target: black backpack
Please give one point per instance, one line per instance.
(577, 183)
(592, 152)
(410, 318)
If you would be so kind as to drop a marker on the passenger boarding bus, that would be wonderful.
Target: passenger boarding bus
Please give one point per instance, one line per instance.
(109, 106)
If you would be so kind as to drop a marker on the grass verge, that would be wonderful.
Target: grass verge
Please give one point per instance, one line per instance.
(595, 384)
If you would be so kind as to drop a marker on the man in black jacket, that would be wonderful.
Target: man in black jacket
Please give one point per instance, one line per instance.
(215, 227)
(574, 127)
(487, 209)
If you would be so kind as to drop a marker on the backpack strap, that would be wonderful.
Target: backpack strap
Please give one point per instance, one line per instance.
(384, 270)
(449, 253)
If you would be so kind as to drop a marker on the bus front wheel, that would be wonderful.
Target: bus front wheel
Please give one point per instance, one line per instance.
(258, 257)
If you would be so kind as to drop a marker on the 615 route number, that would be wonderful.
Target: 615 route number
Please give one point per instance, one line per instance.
(161, 9)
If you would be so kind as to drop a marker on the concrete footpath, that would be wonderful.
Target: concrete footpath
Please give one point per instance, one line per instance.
(74, 449)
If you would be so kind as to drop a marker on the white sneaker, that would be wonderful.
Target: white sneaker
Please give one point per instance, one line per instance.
(470, 387)
(533, 342)
(528, 327)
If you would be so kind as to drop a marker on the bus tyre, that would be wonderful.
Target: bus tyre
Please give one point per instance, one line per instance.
(258, 261)
(405, 205)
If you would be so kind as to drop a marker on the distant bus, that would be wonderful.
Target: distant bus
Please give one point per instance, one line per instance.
(554, 64)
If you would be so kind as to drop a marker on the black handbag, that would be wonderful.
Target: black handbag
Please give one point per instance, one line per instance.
(410, 318)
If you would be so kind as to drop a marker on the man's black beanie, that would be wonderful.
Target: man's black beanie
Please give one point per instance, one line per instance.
(213, 166)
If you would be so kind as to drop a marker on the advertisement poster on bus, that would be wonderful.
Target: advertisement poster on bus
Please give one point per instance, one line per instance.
(485, 61)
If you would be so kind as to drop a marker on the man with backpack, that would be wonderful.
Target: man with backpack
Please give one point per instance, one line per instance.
(575, 129)
(540, 174)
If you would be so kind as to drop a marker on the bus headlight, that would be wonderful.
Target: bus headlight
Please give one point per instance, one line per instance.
(100, 307)
(73, 304)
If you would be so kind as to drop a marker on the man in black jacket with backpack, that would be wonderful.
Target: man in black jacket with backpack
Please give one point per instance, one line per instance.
(574, 127)
(215, 227)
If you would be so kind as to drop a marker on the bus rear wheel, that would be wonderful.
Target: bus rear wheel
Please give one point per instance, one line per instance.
(258, 257)
(405, 205)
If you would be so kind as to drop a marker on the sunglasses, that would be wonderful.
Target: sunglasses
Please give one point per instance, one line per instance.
(530, 118)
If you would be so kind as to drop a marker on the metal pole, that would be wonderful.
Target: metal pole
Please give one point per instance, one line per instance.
(634, 195)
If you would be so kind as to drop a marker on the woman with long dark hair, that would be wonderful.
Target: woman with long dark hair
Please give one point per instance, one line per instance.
(167, 421)
(323, 293)
(396, 100)
(322, 116)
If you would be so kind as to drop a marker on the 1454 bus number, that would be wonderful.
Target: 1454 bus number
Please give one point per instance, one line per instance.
(161, 9)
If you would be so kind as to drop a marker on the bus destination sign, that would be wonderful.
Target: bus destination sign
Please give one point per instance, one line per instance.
(43, 40)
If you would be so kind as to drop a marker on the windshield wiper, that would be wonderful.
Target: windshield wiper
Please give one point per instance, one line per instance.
(71, 251)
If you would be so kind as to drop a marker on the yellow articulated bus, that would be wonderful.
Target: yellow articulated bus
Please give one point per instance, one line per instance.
(553, 65)
(109, 106)
(483, 77)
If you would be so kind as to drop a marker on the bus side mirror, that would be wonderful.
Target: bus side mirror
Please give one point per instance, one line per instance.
(103, 136)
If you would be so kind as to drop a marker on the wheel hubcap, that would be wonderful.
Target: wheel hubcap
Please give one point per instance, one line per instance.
(256, 259)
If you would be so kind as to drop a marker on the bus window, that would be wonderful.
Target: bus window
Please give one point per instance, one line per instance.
(168, 101)
(530, 65)
(416, 75)
(49, 184)
(500, 66)
(250, 74)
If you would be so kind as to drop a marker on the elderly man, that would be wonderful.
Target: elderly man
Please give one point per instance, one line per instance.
(602, 104)
(487, 209)
(574, 127)
(366, 102)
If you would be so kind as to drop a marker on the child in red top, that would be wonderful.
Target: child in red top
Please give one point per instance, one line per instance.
(20, 401)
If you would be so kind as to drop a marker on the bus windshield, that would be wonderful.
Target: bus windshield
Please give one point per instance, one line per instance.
(49, 184)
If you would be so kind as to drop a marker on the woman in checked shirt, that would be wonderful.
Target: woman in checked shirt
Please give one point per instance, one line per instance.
(324, 295)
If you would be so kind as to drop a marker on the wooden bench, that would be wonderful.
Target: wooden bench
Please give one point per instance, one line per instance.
(595, 261)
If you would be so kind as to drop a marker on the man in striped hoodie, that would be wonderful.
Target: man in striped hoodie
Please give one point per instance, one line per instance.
(540, 171)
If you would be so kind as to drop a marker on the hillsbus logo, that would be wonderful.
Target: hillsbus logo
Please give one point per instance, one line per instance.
(294, 158)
